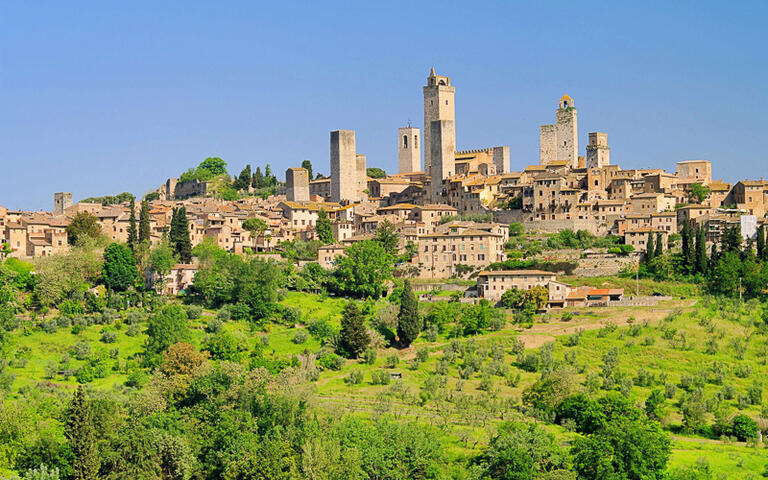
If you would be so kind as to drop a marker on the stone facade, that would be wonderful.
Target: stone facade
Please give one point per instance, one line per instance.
(438, 106)
(442, 155)
(501, 159)
(344, 175)
(598, 151)
(61, 202)
(408, 149)
(560, 142)
(297, 185)
(699, 171)
(362, 176)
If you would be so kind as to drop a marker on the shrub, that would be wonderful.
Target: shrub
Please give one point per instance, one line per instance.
(380, 377)
(354, 377)
(430, 334)
(291, 316)
(566, 316)
(133, 330)
(422, 354)
(194, 312)
(108, 337)
(743, 427)
(300, 337)
(77, 329)
(320, 329)
(224, 315)
(370, 356)
(393, 359)
(214, 325)
(330, 361)
(85, 374)
(81, 350)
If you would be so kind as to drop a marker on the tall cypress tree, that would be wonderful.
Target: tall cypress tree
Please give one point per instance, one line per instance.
(81, 436)
(132, 233)
(408, 321)
(690, 259)
(732, 239)
(761, 242)
(323, 227)
(649, 249)
(354, 338)
(659, 246)
(183, 243)
(144, 231)
(686, 234)
(701, 251)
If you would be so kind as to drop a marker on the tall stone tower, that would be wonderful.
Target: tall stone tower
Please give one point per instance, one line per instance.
(61, 202)
(598, 151)
(438, 106)
(297, 185)
(443, 155)
(501, 159)
(362, 176)
(408, 150)
(567, 132)
(560, 141)
(344, 174)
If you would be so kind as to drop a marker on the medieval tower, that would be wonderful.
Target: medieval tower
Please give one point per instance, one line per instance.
(61, 202)
(297, 185)
(345, 178)
(598, 151)
(438, 107)
(408, 150)
(560, 142)
(443, 156)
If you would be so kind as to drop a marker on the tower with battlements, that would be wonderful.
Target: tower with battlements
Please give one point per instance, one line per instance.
(408, 150)
(438, 107)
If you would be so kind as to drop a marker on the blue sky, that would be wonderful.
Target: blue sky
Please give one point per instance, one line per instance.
(97, 98)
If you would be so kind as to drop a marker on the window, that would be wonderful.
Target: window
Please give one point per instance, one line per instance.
(405, 141)
(415, 141)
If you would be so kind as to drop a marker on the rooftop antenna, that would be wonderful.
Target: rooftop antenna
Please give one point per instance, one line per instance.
(409, 123)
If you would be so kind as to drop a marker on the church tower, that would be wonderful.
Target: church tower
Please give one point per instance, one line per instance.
(408, 149)
(438, 107)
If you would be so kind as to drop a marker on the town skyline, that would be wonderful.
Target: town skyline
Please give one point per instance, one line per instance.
(109, 134)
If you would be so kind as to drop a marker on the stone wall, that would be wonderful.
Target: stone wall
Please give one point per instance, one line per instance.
(598, 267)
(549, 226)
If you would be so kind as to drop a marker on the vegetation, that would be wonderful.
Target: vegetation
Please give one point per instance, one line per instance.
(111, 200)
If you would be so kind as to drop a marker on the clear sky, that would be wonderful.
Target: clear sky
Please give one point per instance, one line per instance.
(101, 97)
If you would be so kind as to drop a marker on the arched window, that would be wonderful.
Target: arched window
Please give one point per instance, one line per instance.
(405, 141)
(415, 141)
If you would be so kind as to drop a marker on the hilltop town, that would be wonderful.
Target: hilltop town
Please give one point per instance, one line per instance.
(454, 211)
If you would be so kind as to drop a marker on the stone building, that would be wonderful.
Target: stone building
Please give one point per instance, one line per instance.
(61, 202)
(699, 171)
(560, 141)
(408, 149)
(442, 156)
(345, 178)
(438, 106)
(297, 185)
(453, 247)
(598, 151)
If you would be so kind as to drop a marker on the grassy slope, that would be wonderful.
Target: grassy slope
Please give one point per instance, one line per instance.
(659, 357)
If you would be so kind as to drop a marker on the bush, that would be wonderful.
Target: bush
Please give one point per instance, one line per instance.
(214, 325)
(81, 350)
(224, 315)
(291, 316)
(370, 356)
(380, 377)
(133, 330)
(108, 337)
(743, 427)
(194, 312)
(354, 377)
(330, 361)
(430, 334)
(566, 316)
(77, 329)
(422, 354)
(300, 337)
(393, 359)
(320, 329)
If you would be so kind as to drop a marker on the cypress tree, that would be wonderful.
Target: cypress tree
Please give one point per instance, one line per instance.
(184, 244)
(701, 251)
(408, 321)
(761, 242)
(81, 436)
(659, 246)
(732, 239)
(144, 232)
(649, 249)
(132, 233)
(686, 234)
(354, 338)
(713, 257)
(323, 227)
(690, 260)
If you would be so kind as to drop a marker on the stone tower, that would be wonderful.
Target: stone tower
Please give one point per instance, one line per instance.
(567, 132)
(61, 202)
(438, 106)
(344, 175)
(501, 159)
(560, 141)
(297, 185)
(362, 176)
(408, 150)
(598, 151)
(443, 155)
